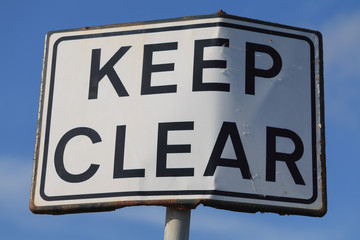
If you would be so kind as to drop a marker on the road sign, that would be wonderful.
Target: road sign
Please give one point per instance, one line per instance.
(216, 110)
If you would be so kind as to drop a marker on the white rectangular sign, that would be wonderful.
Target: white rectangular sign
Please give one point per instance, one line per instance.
(216, 109)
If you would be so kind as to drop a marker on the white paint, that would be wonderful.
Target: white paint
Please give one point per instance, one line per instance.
(282, 102)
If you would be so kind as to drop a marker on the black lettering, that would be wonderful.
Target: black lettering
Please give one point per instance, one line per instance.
(289, 158)
(228, 129)
(96, 74)
(200, 64)
(119, 171)
(149, 68)
(252, 71)
(59, 155)
(163, 149)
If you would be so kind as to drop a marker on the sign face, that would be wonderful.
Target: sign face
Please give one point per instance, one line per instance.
(215, 110)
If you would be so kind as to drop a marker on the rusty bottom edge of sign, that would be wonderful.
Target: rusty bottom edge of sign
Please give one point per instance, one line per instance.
(183, 204)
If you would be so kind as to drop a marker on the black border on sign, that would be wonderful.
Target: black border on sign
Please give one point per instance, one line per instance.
(222, 204)
(177, 192)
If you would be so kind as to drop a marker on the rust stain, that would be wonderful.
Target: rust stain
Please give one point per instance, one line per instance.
(221, 12)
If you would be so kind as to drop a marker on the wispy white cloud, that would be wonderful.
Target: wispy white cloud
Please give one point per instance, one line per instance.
(233, 225)
(15, 179)
(342, 69)
(341, 43)
(15, 183)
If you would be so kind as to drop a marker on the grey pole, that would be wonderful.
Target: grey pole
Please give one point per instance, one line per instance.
(177, 224)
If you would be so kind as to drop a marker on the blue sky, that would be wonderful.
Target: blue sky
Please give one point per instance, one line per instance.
(23, 27)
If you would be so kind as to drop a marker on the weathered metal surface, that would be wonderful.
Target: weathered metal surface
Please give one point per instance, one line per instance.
(261, 202)
(177, 224)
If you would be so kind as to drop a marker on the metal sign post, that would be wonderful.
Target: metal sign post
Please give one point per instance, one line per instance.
(177, 224)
